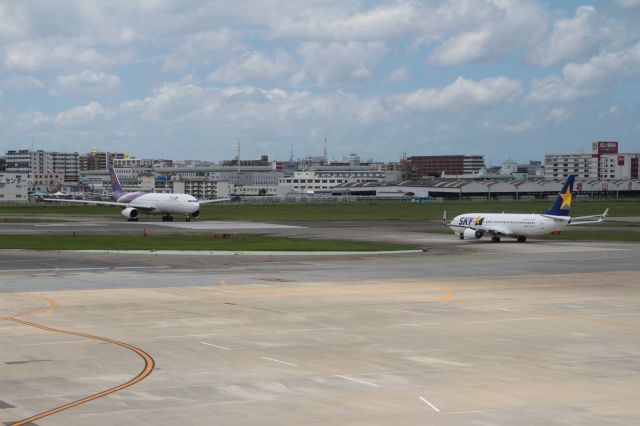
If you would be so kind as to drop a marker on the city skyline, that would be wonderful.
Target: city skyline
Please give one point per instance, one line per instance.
(189, 80)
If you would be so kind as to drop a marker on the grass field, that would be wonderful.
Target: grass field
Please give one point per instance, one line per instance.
(185, 242)
(360, 211)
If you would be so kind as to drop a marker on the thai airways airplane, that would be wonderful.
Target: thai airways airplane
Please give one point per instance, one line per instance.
(133, 203)
(521, 226)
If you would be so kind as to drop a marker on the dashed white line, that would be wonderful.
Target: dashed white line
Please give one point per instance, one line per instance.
(277, 360)
(216, 346)
(519, 319)
(415, 324)
(185, 335)
(436, 409)
(357, 380)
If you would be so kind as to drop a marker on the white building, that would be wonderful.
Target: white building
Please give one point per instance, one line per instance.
(509, 167)
(14, 187)
(306, 182)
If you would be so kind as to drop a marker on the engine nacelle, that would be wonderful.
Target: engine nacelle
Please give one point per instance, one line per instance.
(470, 233)
(130, 213)
(196, 213)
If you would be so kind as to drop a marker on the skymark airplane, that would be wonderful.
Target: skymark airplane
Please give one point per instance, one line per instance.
(133, 203)
(521, 226)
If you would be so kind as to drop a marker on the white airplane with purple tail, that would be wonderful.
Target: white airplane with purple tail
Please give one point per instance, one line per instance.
(134, 203)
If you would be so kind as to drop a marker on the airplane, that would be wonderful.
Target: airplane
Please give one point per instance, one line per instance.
(521, 226)
(133, 203)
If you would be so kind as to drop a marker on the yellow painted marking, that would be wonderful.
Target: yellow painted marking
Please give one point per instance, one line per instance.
(149, 362)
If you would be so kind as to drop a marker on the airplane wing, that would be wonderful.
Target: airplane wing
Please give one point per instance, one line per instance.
(103, 203)
(582, 220)
(217, 200)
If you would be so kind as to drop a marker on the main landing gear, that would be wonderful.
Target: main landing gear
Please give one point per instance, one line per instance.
(521, 238)
(167, 218)
(495, 239)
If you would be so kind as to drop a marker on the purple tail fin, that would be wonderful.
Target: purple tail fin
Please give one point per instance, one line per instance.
(116, 189)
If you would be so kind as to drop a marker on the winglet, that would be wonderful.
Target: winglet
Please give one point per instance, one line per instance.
(606, 212)
(444, 218)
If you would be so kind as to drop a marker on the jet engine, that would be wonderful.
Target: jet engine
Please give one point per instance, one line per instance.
(470, 233)
(196, 213)
(130, 213)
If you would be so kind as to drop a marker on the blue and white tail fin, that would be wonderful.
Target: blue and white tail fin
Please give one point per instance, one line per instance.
(116, 189)
(562, 204)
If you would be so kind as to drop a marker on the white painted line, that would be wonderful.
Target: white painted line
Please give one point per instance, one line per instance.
(277, 360)
(185, 335)
(307, 329)
(519, 319)
(357, 380)
(71, 224)
(216, 346)
(615, 315)
(58, 343)
(415, 324)
(436, 409)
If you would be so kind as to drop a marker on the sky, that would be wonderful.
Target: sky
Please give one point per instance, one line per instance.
(189, 79)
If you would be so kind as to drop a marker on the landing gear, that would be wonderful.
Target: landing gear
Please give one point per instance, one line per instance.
(522, 238)
(132, 219)
(495, 239)
(187, 218)
(167, 218)
(461, 236)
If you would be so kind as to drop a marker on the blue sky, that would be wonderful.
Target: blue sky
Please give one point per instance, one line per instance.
(188, 79)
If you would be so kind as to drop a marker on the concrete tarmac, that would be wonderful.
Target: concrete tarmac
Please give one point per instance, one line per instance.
(465, 333)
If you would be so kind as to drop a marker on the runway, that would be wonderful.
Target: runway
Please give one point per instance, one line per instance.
(464, 333)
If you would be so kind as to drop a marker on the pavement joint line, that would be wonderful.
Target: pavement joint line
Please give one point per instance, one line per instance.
(436, 409)
(351, 379)
(216, 346)
(57, 343)
(277, 360)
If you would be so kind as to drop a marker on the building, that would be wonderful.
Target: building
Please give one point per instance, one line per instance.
(604, 163)
(45, 182)
(13, 187)
(417, 167)
(26, 161)
(309, 181)
(95, 160)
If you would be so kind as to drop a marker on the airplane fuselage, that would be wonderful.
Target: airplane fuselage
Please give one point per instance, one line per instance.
(154, 202)
(508, 224)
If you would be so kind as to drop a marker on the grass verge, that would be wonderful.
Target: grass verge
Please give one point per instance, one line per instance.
(599, 235)
(186, 242)
(332, 211)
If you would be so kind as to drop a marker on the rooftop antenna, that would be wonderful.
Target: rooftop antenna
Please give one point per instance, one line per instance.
(238, 155)
(291, 158)
(325, 149)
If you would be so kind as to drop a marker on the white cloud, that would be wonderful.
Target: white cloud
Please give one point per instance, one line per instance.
(46, 54)
(628, 4)
(336, 62)
(22, 83)
(575, 36)
(558, 115)
(255, 66)
(506, 26)
(80, 115)
(343, 24)
(462, 95)
(519, 127)
(203, 48)
(86, 83)
(399, 74)
(587, 79)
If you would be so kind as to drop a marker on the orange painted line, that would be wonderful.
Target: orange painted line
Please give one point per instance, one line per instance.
(223, 282)
(149, 362)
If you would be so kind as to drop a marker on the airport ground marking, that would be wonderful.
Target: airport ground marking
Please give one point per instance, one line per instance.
(149, 362)
(277, 360)
(436, 409)
(351, 379)
(216, 346)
